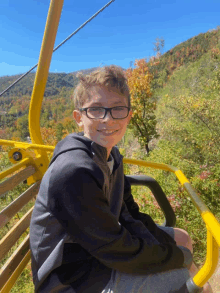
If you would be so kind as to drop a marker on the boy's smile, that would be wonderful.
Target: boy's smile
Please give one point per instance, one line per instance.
(106, 132)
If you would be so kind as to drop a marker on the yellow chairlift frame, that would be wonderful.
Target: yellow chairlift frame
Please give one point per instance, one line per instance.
(39, 159)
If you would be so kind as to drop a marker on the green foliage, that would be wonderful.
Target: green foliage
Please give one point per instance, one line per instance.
(24, 283)
(184, 54)
(188, 217)
(59, 131)
(188, 112)
(188, 115)
(57, 83)
(22, 127)
(4, 161)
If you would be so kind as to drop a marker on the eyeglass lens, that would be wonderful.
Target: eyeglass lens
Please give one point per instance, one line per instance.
(116, 112)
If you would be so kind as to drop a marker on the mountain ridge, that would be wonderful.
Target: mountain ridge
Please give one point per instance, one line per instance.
(55, 81)
(183, 53)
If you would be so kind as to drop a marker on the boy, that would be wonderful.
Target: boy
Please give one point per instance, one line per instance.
(86, 232)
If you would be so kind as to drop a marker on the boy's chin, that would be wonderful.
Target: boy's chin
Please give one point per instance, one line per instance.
(107, 143)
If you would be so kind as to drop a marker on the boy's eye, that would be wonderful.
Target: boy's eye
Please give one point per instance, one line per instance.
(119, 112)
(118, 109)
(96, 110)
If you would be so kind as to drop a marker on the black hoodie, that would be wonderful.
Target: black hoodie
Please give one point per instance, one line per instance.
(84, 224)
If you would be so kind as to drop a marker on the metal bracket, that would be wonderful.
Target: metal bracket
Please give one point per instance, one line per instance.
(18, 154)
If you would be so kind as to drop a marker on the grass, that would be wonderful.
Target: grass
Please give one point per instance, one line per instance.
(24, 283)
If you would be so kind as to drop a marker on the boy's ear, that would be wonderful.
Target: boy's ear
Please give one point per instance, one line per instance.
(130, 115)
(78, 117)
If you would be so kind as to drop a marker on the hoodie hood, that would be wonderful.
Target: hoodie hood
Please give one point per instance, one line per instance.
(76, 141)
(72, 142)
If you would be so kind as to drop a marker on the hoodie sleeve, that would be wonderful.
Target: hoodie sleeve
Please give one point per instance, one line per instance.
(78, 202)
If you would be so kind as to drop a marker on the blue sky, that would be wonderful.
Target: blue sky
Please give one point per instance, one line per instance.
(125, 31)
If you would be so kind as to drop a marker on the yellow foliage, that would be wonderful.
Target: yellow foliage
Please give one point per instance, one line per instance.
(139, 82)
(49, 136)
(143, 118)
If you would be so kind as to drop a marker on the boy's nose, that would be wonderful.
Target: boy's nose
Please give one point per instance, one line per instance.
(108, 116)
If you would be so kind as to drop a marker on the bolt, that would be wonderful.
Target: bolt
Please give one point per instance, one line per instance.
(17, 156)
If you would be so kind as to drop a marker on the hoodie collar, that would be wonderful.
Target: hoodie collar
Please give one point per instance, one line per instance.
(79, 141)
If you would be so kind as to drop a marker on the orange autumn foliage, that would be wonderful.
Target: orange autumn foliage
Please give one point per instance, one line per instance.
(49, 136)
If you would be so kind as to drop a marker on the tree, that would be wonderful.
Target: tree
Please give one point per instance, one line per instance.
(158, 46)
(143, 119)
(22, 127)
(49, 136)
(59, 131)
(69, 125)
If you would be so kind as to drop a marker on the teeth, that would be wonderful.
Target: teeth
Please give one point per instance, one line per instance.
(108, 131)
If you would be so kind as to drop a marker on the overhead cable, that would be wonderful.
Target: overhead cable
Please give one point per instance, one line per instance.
(57, 47)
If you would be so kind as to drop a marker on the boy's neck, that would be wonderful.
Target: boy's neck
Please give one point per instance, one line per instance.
(108, 154)
(108, 150)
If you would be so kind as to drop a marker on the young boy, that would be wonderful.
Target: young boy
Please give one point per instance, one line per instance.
(87, 234)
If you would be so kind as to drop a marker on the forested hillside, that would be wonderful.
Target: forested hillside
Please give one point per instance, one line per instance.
(184, 53)
(55, 83)
(185, 102)
(188, 127)
(57, 104)
(56, 110)
(176, 110)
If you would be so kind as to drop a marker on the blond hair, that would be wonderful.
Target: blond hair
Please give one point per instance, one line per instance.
(111, 77)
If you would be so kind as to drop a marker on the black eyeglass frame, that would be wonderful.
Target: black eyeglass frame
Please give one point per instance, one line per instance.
(106, 111)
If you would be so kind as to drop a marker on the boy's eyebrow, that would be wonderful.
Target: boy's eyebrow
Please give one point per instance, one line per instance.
(96, 104)
(117, 102)
(100, 104)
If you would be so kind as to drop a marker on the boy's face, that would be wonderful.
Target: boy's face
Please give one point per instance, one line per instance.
(106, 132)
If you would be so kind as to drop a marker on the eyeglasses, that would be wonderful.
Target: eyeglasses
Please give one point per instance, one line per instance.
(119, 112)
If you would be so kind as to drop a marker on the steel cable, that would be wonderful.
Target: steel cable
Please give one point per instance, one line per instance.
(57, 47)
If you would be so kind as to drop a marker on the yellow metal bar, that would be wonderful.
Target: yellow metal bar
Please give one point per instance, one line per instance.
(207, 216)
(211, 262)
(43, 69)
(212, 225)
(36, 160)
(150, 165)
(25, 145)
(51, 27)
(14, 168)
(182, 178)
(10, 283)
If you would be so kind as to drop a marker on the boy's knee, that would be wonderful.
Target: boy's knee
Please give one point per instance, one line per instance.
(182, 238)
